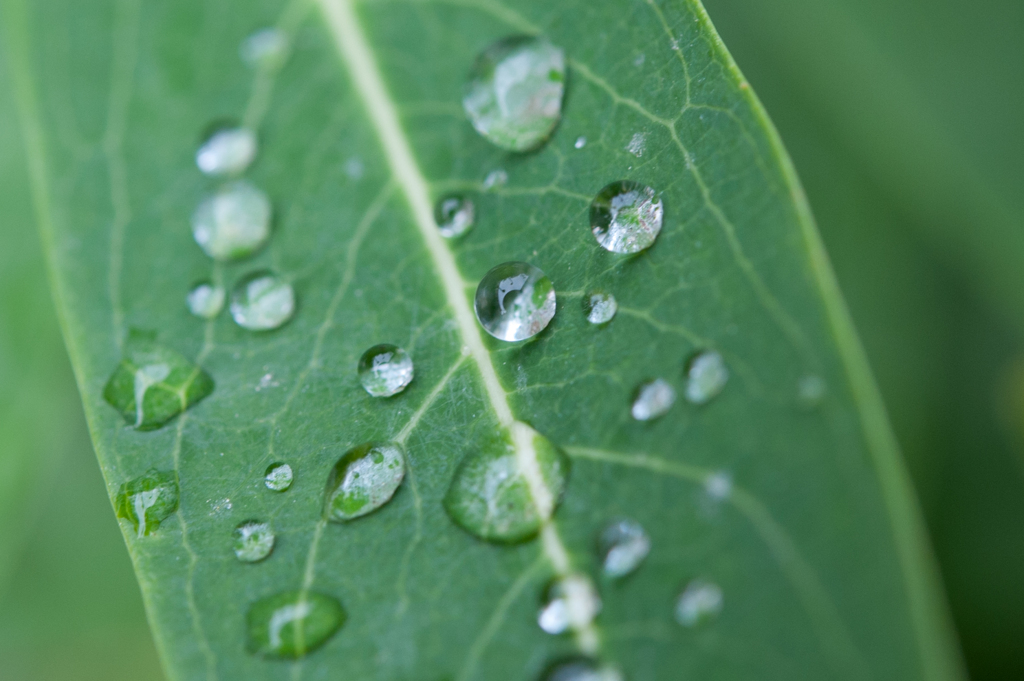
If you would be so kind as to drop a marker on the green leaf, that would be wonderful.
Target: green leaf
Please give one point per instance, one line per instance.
(798, 510)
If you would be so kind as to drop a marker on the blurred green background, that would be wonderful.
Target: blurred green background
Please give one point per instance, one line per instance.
(904, 120)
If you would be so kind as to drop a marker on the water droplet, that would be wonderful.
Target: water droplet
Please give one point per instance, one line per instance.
(454, 215)
(354, 168)
(653, 399)
(811, 390)
(706, 376)
(718, 485)
(265, 48)
(699, 602)
(582, 669)
(363, 480)
(227, 151)
(153, 384)
(292, 623)
(637, 144)
(278, 477)
(147, 500)
(385, 370)
(253, 541)
(600, 307)
(514, 93)
(580, 142)
(490, 496)
(569, 603)
(495, 178)
(514, 301)
(232, 223)
(623, 545)
(640, 59)
(206, 300)
(262, 301)
(625, 217)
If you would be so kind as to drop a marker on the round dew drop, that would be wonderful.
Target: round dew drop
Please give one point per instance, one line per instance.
(262, 301)
(625, 217)
(653, 399)
(699, 602)
(582, 669)
(232, 223)
(363, 480)
(600, 307)
(278, 477)
(706, 376)
(206, 300)
(623, 546)
(514, 93)
(514, 301)
(454, 215)
(569, 603)
(254, 541)
(228, 151)
(385, 370)
(292, 623)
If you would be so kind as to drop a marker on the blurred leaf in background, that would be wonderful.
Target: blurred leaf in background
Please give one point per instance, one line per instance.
(904, 123)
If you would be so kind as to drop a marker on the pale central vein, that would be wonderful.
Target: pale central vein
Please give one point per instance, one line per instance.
(369, 84)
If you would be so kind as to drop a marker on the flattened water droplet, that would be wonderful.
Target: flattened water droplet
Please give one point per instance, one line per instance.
(278, 477)
(490, 497)
(292, 623)
(227, 151)
(495, 178)
(625, 217)
(253, 541)
(811, 390)
(153, 384)
(699, 602)
(262, 301)
(653, 399)
(514, 93)
(706, 376)
(569, 603)
(363, 480)
(580, 142)
(206, 300)
(265, 48)
(582, 669)
(385, 370)
(600, 307)
(454, 215)
(514, 301)
(232, 223)
(147, 500)
(623, 545)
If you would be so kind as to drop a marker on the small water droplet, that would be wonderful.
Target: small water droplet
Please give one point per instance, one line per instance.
(147, 500)
(292, 623)
(227, 151)
(253, 541)
(363, 480)
(262, 301)
(514, 93)
(206, 300)
(219, 506)
(232, 223)
(699, 602)
(706, 376)
(653, 399)
(637, 144)
(580, 142)
(495, 178)
(385, 370)
(278, 477)
(640, 59)
(811, 390)
(514, 301)
(600, 307)
(582, 669)
(153, 384)
(454, 215)
(625, 217)
(354, 168)
(569, 603)
(490, 497)
(623, 546)
(718, 485)
(265, 48)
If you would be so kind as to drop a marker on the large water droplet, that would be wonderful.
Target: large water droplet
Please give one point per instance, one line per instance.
(385, 370)
(292, 623)
(600, 307)
(699, 602)
(623, 545)
(582, 669)
(625, 217)
(147, 500)
(232, 223)
(454, 215)
(706, 376)
(278, 477)
(265, 48)
(206, 300)
(153, 384)
(653, 399)
(514, 94)
(253, 541)
(262, 301)
(363, 480)
(569, 603)
(514, 301)
(227, 151)
(490, 496)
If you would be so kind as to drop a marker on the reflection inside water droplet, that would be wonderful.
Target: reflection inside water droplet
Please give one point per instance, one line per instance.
(385, 370)
(262, 301)
(706, 376)
(454, 215)
(206, 300)
(228, 151)
(363, 480)
(254, 540)
(232, 223)
(625, 217)
(623, 546)
(514, 301)
(278, 477)
(147, 500)
(653, 399)
(699, 602)
(599, 307)
(292, 623)
(569, 603)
